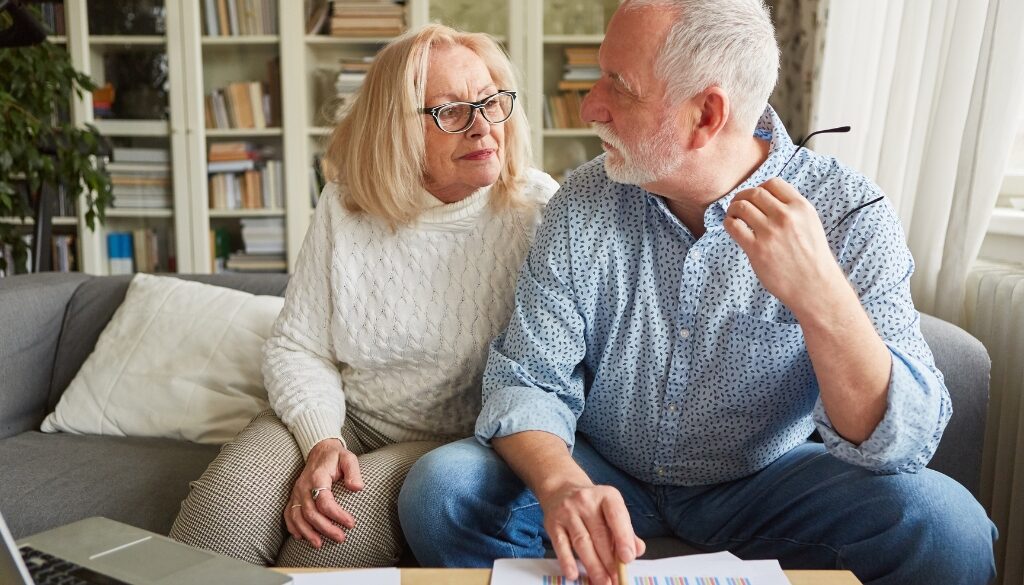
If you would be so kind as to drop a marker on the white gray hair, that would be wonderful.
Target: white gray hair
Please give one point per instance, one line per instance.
(728, 43)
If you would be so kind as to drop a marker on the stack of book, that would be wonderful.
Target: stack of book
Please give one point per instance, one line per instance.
(346, 85)
(263, 239)
(243, 104)
(141, 178)
(581, 73)
(52, 14)
(244, 177)
(134, 251)
(230, 18)
(65, 205)
(367, 18)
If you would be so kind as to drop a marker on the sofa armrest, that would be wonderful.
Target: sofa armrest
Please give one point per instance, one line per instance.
(965, 364)
(32, 311)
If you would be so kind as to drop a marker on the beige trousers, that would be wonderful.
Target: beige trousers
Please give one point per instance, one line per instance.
(236, 507)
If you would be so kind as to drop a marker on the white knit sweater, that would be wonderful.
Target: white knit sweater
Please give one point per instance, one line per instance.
(396, 325)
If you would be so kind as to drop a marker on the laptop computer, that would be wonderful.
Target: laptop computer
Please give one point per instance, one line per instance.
(99, 551)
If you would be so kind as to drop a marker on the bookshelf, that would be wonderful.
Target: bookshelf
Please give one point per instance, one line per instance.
(195, 63)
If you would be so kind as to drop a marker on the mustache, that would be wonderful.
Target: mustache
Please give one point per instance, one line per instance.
(605, 133)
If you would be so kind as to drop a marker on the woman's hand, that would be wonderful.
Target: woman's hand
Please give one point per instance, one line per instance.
(328, 461)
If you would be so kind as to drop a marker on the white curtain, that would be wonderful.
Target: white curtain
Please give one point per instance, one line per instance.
(931, 89)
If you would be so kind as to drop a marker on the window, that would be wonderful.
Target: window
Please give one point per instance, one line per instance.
(1012, 192)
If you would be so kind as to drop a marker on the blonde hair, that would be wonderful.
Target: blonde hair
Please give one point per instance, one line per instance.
(377, 152)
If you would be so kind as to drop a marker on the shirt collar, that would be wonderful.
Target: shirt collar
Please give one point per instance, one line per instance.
(780, 148)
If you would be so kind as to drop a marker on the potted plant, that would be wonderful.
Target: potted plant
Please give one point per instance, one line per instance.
(38, 145)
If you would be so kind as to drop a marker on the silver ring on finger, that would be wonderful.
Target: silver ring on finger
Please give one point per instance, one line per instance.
(316, 491)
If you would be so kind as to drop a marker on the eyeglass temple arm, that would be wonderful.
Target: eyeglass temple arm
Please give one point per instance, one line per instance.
(838, 129)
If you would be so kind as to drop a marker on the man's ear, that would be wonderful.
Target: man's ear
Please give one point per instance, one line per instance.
(711, 110)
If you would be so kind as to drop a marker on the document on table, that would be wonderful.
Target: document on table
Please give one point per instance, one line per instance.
(387, 576)
(710, 569)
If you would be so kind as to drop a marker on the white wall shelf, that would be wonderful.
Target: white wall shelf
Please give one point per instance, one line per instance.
(573, 39)
(114, 127)
(569, 133)
(97, 40)
(61, 221)
(124, 212)
(241, 40)
(237, 213)
(241, 132)
(329, 40)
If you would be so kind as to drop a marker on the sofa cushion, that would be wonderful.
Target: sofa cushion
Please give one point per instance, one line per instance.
(965, 365)
(31, 311)
(178, 360)
(95, 302)
(53, 479)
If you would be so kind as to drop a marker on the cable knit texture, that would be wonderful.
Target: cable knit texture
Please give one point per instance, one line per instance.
(396, 324)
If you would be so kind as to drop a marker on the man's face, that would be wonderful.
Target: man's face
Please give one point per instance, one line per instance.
(628, 106)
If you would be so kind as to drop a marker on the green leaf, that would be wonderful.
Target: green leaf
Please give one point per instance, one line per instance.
(36, 86)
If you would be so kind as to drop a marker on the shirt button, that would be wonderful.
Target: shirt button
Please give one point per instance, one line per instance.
(661, 472)
(684, 333)
(672, 407)
(695, 255)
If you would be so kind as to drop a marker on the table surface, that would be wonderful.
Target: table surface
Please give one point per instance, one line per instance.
(483, 576)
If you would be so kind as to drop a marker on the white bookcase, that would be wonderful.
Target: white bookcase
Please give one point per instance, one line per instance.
(195, 64)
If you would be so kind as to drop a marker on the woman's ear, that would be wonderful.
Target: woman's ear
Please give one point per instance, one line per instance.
(711, 110)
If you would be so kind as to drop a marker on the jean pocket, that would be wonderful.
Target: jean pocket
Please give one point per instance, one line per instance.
(766, 368)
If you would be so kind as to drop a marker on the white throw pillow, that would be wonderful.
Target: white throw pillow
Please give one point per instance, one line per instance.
(178, 359)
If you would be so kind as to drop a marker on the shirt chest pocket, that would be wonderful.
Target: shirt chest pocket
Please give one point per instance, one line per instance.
(765, 368)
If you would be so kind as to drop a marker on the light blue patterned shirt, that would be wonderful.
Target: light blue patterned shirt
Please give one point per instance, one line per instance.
(668, 355)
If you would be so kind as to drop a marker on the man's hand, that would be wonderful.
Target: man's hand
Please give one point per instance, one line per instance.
(328, 461)
(593, 522)
(783, 238)
(781, 234)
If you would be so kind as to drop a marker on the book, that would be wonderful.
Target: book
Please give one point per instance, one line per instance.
(317, 18)
(210, 12)
(63, 253)
(223, 24)
(230, 166)
(119, 253)
(142, 155)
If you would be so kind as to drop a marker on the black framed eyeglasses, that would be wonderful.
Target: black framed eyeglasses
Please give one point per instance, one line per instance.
(457, 117)
(841, 129)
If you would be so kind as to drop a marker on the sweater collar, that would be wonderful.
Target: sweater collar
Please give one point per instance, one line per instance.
(452, 216)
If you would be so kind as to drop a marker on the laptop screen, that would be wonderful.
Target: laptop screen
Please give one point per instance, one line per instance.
(12, 569)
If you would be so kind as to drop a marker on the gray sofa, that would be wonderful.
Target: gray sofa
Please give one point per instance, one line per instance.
(49, 324)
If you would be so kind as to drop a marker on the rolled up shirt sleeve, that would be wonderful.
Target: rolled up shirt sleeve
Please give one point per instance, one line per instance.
(534, 376)
(879, 266)
(917, 410)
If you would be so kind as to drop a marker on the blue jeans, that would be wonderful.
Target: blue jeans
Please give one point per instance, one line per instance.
(462, 506)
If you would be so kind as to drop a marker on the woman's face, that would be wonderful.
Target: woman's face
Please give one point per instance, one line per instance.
(459, 164)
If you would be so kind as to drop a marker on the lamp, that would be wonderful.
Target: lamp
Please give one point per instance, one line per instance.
(24, 30)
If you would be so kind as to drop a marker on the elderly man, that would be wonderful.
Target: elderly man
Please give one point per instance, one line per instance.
(698, 300)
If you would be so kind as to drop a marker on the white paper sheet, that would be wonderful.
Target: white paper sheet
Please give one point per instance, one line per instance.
(688, 570)
(387, 576)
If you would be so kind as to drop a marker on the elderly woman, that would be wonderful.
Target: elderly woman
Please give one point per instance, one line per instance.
(404, 277)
